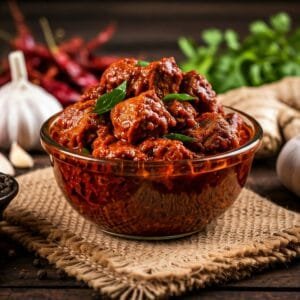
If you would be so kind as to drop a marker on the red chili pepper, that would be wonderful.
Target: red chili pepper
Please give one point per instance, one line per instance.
(103, 37)
(78, 75)
(51, 72)
(25, 40)
(65, 94)
(72, 46)
(99, 63)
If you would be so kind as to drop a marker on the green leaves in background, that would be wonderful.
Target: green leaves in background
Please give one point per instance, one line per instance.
(269, 52)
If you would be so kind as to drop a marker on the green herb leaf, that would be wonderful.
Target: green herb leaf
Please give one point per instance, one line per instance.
(180, 137)
(142, 63)
(180, 97)
(85, 151)
(281, 22)
(231, 39)
(213, 37)
(187, 47)
(107, 101)
(269, 52)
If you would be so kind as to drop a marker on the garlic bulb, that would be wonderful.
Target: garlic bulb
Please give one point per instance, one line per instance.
(288, 165)
(24, 107)
(20, 158)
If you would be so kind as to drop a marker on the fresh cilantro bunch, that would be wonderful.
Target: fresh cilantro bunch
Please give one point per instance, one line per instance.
(269, 52)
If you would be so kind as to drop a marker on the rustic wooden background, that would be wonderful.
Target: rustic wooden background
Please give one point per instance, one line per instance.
(145, 28)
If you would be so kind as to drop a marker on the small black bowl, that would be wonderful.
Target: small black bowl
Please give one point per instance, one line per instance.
(8, 190)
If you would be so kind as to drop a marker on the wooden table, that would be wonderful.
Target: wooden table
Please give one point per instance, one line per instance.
(18, 275)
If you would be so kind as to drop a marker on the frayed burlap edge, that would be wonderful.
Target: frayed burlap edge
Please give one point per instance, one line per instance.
(75, 256)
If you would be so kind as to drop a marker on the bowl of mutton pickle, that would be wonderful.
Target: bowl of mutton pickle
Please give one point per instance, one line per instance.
(150, 153)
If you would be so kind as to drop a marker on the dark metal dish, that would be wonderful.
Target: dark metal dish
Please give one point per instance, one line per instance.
(8, 190)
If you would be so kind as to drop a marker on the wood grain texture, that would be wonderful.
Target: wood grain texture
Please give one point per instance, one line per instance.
(148, 29)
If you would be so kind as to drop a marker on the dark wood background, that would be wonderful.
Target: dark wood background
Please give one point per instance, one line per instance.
(146, 28)
(149, 29)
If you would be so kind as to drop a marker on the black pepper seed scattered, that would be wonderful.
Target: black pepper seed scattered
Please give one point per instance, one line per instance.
(41, 274)
(12, 253)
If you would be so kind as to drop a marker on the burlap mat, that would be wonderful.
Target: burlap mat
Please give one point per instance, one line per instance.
(251, 235)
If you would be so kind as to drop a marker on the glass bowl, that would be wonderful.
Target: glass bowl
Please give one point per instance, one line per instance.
(152, 199)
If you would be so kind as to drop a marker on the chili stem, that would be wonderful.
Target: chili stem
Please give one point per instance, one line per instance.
(48, 34)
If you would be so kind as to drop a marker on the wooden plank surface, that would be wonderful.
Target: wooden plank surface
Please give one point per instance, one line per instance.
(145, 28)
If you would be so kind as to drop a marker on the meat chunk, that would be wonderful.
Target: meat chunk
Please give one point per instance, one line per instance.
(117, 73)
(104, 137)
(92, 93)
(196, 85)
(183, 112)
(164, 149)
(119, 149)
(141, 116)
(238, 127)
(163, 76)
(213, 134)
(76, 126)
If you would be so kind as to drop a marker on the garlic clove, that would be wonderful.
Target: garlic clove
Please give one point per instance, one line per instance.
(5, 166)
(19, 157)
(288, 165)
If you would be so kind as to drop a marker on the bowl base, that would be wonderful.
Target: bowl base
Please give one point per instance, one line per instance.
(150, 238)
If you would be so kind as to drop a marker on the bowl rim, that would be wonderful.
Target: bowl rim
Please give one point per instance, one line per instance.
(253, 143)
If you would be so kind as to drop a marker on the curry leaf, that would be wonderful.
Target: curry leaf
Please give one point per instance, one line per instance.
(85, 151)
(180, 97)
(142, 63)
(107, 101)
(180, 137)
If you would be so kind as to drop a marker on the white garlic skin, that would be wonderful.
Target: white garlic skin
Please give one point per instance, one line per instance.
(288, 165)
(23, 107)
(5, 166)
(19, 157)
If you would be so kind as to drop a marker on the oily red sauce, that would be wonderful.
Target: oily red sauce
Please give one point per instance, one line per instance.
(135, 128)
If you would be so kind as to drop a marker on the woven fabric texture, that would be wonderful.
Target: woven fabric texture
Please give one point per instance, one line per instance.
(253, 234)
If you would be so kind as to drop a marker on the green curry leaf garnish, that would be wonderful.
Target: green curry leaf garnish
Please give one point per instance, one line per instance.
(107, 101)
(180, 137)
(142, 63)
(180, 97)
(85, 151)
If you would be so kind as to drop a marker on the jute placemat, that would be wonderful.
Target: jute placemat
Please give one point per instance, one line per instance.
(253, 234)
